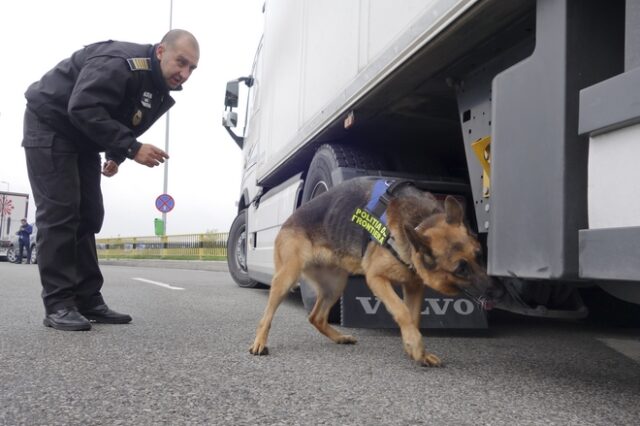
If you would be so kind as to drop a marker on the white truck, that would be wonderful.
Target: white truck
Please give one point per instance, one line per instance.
(13, 207)
(527, 108)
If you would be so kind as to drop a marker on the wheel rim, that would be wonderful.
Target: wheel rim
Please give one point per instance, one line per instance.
(320, 188)
(241, 250)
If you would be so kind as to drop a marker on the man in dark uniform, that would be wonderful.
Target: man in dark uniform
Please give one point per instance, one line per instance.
(99, 100)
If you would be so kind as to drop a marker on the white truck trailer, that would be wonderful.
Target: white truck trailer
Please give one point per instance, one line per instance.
(13, 207)
(527, 108)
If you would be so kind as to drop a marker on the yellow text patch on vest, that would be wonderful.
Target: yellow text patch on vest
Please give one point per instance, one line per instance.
(371, 224)
(139, 64)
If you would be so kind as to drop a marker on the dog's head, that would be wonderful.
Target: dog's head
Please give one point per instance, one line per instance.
(448, 257)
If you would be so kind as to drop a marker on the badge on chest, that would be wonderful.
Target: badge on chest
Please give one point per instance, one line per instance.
(137, 118)
(146, 99)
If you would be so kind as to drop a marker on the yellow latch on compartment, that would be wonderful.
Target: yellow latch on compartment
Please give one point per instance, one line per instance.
(482, 149)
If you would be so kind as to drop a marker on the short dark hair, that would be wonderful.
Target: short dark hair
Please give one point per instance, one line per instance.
(173, 36)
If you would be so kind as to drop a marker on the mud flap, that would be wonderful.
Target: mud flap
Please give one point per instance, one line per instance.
(361, 309)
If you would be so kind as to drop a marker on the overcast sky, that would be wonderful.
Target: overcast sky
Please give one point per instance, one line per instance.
(205, 165)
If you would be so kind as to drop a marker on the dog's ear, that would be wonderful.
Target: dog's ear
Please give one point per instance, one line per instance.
(453, 210)
(420, 243)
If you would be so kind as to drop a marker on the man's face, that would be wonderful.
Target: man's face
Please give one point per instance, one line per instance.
(177, 62)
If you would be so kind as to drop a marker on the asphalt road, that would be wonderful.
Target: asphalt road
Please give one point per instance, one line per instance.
(184, 361)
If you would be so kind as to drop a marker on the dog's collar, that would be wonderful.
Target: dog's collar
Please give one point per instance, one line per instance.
(373, 218)
(391, 246)
(382, 193)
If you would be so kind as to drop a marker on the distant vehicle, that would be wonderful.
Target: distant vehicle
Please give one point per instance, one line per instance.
(14, 247)
(13, 207)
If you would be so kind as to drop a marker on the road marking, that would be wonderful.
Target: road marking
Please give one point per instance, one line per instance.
(627, 347)
(170, 287)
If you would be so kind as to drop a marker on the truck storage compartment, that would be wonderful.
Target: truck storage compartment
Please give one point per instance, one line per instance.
(539, 162)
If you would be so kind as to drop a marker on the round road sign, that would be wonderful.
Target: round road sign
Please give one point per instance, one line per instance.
(165, 203)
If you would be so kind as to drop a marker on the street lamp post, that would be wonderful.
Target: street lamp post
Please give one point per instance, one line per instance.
(166, 136)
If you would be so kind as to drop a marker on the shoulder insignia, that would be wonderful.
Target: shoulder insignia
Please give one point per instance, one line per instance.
(139, 64)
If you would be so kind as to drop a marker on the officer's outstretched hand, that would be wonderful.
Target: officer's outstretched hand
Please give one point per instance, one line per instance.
(109, 168)
(150, 155)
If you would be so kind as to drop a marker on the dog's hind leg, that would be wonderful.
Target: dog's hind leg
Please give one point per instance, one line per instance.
(280, 286)
(288, 263)
(329, 285)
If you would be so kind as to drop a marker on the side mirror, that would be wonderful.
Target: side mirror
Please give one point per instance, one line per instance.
(231, 94)
(229, 119)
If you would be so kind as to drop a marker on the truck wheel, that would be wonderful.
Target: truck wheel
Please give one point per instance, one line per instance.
(34, 254)
(328, 158)
(237, 252)
(11, 254)
(319, 180)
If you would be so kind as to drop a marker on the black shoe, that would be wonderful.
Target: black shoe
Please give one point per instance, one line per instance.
(103, 314)
(68, 319)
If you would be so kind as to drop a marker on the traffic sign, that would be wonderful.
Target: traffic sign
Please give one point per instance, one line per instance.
(165, 203)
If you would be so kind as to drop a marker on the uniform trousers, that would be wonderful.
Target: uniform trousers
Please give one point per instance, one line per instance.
(65, 183)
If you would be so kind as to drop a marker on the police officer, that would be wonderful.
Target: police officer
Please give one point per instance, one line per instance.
(99, 100)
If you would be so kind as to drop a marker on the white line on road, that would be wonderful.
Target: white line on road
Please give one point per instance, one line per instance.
(170, 287)
(627, 347)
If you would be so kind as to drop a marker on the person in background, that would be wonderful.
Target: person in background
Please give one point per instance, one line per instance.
(98, 100)
(24, 240)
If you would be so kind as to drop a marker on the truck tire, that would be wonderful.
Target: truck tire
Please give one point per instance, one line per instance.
(329, 157)
(319, 179)
(237, 252)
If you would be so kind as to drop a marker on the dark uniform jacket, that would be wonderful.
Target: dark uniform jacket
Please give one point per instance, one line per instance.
(101, 99)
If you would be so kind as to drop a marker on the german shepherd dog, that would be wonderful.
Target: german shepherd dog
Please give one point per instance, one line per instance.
(433, 247)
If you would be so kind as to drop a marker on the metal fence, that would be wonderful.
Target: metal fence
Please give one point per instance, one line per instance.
(189, 246)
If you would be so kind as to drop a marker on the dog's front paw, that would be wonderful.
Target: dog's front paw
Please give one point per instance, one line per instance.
(258, 349)
(346, 340)
(430, 360)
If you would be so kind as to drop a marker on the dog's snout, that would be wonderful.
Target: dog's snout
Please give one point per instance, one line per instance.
(484, 291)
(494, 291)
